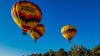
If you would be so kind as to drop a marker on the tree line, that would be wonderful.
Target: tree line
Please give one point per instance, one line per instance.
(75, 50)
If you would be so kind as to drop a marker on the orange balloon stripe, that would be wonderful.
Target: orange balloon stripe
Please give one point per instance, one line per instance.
(38, 31)
(29, 16)
(69, 31)
(25, 28)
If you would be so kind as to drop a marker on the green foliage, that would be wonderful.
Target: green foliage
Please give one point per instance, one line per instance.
(75, 51)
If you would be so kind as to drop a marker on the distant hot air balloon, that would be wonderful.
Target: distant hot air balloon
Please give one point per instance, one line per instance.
(26, 15)
(68, 32)
(37, 32)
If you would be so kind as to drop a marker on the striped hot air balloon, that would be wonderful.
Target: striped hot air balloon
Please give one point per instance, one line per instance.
(26, 15)
(37, 32)
(68, 32)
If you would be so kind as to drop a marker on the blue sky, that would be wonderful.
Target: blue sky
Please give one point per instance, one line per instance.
(83, 14)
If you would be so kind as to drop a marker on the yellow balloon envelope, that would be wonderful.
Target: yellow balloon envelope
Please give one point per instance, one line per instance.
(26, 15)
(68, 32)
(37, 31)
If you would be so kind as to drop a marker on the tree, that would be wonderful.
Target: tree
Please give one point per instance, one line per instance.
(75, 51)
(46, 54)
(51, 52)
(61, 52)
(96, 50)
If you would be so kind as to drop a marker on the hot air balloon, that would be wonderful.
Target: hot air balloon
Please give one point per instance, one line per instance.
(68, 32)
(26, 15)
(37, 32)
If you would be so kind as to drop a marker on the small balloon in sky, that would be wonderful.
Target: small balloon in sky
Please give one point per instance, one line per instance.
(68, 32)
(37, 32)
